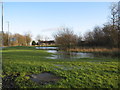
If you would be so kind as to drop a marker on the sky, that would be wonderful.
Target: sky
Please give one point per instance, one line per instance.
(44, 18)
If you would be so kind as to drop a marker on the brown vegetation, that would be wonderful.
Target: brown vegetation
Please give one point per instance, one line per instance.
(95, 50)
(65, 39)
(16, 39)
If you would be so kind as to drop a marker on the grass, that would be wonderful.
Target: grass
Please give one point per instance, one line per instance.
(20, 62)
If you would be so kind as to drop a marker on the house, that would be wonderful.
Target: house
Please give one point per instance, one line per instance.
(51, 42)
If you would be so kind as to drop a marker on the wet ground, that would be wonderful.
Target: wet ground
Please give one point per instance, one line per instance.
(45, 78)
(9, 82)
(75, 55)
(68, 55)
(46, 48)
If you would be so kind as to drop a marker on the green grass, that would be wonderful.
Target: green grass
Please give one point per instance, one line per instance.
(19, 62)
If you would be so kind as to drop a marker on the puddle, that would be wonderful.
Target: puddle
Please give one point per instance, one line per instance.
(46, 48)
(57, 65)
(75, 55)
(52, 51)
(45, 78)
(68, 55)
(62, 67)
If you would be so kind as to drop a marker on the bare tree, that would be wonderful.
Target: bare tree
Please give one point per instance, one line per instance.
(114, 14)
(115, 23)
(16, 39)
(79, 43)
(5, 38)
(66, 39)
(20, 39)
(88, 38)
(28, 38)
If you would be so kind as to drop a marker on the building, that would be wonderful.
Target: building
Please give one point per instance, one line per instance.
(51, 42)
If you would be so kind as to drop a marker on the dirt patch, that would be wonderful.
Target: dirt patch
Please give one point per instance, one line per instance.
(45, 78)
(9, 81)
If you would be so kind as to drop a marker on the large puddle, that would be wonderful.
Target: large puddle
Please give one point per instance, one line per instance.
(73, 55)
(46, 48)
(68, 55)
(45, 78)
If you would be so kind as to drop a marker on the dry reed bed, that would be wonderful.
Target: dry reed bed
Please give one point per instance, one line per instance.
(95, 50)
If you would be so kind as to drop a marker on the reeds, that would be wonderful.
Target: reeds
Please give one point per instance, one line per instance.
(95, 50)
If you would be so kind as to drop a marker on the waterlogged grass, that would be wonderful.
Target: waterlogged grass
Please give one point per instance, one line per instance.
(20, 62)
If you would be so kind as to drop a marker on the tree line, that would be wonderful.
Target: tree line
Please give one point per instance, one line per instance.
(109, 34)
(106, 36)
(16, 39)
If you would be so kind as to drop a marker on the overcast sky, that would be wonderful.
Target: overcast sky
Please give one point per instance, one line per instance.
(44, 18)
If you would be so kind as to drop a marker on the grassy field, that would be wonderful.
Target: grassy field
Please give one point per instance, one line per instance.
(20, 62)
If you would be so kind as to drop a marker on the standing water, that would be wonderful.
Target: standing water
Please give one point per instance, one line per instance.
(69, 55)
(73, 55)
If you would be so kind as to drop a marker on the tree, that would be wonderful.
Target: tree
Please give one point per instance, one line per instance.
(114, 30)
(79, 43)
(111, 35)
(20, 39)
(28, 38)
(33, 43)
(5, 39)
(114, 14)
(16, 39)
(98, 36)
(66, 39)
(89, 39)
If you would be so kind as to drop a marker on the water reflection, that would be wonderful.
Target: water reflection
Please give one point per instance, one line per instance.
(69, 55)
(73, 55)
(47, 48)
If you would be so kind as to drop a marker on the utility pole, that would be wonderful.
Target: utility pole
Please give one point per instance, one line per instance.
(1, 44)
(2, 26)
(8, 34)
(2, 17)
